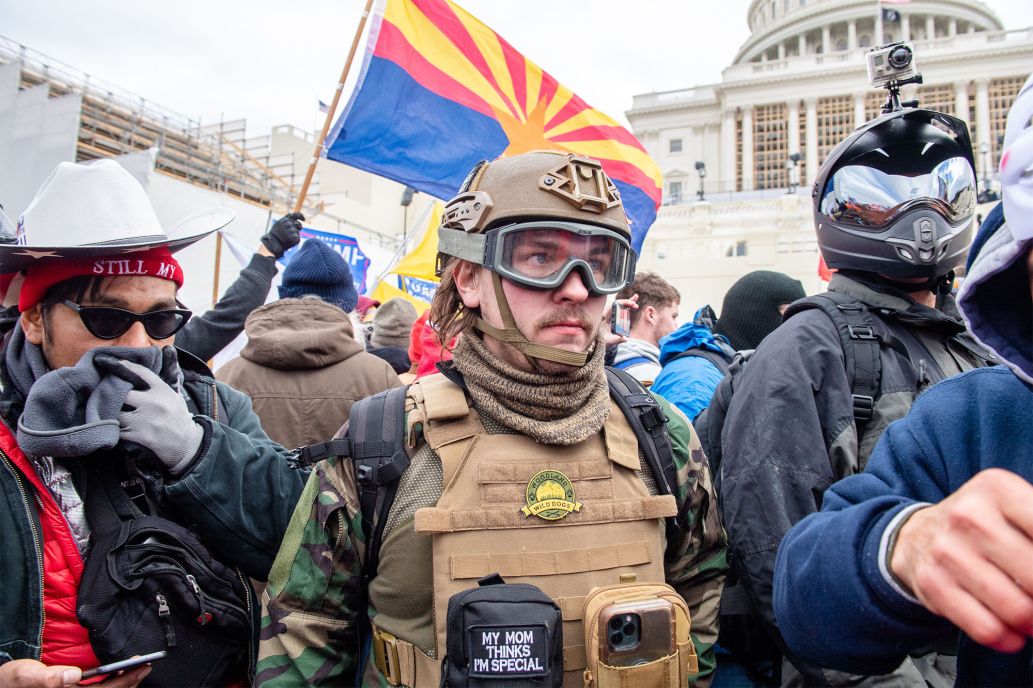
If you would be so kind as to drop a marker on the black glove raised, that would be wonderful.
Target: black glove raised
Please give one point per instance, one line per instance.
(284, 234)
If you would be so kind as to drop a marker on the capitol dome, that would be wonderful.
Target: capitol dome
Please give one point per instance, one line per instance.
(788, 28)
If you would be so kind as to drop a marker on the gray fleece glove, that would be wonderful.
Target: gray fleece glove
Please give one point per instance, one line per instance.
(156, 416)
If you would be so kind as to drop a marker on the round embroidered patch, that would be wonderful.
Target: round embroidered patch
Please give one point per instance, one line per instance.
(550, 495)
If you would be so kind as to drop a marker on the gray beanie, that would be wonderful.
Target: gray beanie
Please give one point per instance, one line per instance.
(392, 323)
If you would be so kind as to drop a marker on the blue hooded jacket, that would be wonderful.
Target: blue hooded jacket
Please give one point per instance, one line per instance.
(689, 382)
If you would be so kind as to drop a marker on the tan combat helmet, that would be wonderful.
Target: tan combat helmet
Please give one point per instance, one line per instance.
(549, 189)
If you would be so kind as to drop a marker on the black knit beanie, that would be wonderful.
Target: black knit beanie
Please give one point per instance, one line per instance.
(750, 309)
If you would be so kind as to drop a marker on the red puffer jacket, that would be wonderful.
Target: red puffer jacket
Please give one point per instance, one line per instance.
(65, 641)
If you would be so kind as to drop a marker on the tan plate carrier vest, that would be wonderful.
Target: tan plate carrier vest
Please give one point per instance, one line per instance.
(479, 527)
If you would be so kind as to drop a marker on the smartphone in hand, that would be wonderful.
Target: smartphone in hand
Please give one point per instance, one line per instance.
(620, 320)
(130, 663)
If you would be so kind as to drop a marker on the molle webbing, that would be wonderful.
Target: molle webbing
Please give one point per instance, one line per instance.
(484, 523)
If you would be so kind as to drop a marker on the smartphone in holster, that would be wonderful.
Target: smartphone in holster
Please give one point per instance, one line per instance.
(637, 632)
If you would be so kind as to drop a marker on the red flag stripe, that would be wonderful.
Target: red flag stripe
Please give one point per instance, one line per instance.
(392, 45)
(597, 133)
(442, 16)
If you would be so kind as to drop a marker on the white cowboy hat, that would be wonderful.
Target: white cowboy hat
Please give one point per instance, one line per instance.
(81, 211)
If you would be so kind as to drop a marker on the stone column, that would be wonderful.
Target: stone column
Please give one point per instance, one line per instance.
(877, 39)
(793, 125)
(930, 27)
(859, 114)
(747, 148)
(952, 27)
(801, 44)
(811, 142)
(851, 34)
(905, 26)
(782, 50)
(982, 123)
(961, 99)
(826, 39)
(725, 177)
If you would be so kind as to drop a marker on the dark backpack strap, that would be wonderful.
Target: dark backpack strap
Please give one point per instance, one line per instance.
(106, 504)
(718, 359)
(649, 423)
(376, 431)
(861, 338)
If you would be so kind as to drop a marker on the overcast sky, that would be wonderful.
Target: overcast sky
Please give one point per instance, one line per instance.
(270, 61)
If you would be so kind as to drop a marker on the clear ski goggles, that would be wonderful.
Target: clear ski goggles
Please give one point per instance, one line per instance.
(541, 254)
(870, 198)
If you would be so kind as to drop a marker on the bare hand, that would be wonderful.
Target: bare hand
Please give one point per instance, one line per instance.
(970, 559)
(28, 673)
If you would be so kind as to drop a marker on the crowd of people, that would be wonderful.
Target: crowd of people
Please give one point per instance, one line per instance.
(823, 490)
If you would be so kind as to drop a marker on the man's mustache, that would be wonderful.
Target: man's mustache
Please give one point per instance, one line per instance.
(565, 316)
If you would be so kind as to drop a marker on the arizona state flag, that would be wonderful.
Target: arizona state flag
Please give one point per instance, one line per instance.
(440, 91)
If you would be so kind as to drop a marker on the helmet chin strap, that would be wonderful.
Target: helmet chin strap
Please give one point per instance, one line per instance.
(941, 285)
(513, 336)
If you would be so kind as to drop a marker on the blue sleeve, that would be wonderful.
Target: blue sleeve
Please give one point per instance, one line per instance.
(688, 383)
(833, 604)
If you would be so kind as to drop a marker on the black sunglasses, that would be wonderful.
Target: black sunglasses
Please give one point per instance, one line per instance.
(108, 322)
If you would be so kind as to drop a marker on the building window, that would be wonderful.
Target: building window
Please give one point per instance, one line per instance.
(1002, 95)
(841, 44)
(674, 192)
(873, 102)
(770, 146)
(939, 98)
(739, 249)
(835, 122)
(674, 146)
(864, 40)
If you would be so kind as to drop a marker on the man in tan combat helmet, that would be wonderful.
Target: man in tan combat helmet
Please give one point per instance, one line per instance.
(519, 467)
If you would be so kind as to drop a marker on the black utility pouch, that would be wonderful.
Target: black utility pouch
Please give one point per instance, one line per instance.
(503, 636)
(149, 584)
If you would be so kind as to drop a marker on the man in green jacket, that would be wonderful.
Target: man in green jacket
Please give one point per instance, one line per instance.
(89, 375)
(520, 465)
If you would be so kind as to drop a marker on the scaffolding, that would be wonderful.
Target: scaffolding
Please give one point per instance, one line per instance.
(115, 122)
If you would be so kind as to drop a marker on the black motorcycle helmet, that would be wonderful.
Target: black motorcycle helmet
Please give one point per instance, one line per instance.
(897, 196)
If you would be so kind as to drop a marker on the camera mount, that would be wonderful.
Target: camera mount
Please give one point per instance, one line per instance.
(893, 102)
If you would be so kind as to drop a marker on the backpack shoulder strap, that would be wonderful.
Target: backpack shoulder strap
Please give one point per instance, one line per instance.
(376, 433)
(375, 442)
(719, 361)
(861, 338)
(649, 423)
(106, 504)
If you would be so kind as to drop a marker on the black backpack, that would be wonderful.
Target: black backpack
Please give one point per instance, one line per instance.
(376, 444)
(862, 336)
(149, 584)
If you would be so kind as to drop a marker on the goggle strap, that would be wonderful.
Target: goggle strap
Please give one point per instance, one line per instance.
(520, 343)
(463, 245)
(512, 335)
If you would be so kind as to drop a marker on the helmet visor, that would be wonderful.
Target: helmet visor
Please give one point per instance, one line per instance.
(867, 197)
(541, 255)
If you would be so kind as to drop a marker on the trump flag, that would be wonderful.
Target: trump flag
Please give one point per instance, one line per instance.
(439, 91)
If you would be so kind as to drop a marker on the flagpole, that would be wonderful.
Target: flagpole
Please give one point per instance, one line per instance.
(218, 261)
(317, 153)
